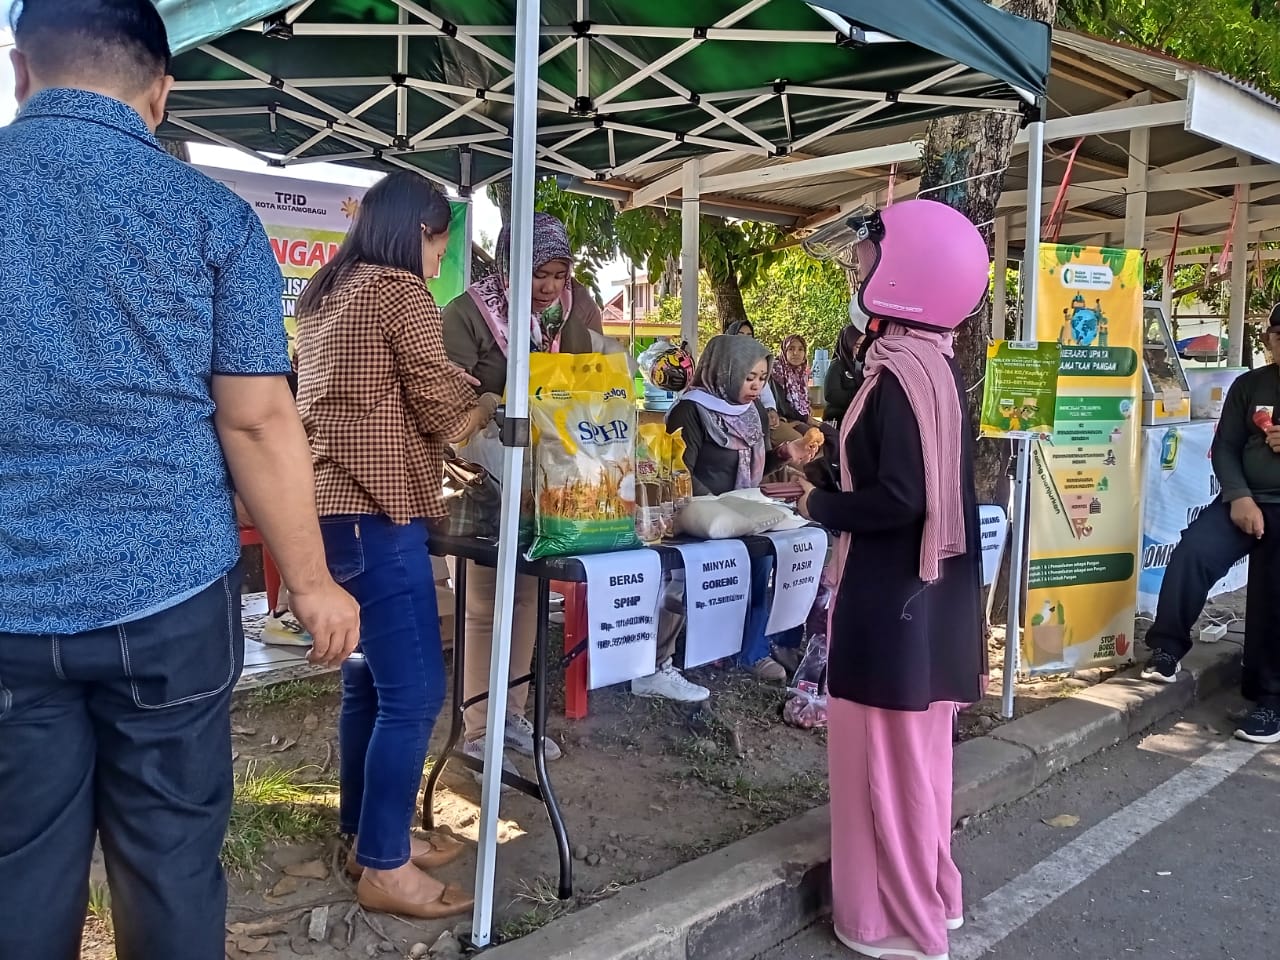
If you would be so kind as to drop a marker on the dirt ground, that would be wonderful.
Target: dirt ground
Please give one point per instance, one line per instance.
(644, 786)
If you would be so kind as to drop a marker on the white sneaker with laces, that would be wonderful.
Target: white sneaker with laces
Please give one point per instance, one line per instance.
(668, 683)
(520, 738)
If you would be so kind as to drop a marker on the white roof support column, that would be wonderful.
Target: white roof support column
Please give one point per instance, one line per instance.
(584, 54)
(1239, 272)
(1000, 269)
(690, 263)
(1135, 207)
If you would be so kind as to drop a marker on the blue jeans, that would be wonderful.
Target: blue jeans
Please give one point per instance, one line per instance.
(125, 731)
(394, 685)
(755, 644)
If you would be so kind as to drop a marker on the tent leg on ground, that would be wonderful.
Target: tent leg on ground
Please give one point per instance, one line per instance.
(515, 438)
(1021, 485)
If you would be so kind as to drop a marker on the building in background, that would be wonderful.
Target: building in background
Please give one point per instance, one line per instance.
(618, 316)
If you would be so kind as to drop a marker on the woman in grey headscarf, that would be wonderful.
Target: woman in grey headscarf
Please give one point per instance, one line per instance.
(725, 423)
(477, 326)
(727, 447)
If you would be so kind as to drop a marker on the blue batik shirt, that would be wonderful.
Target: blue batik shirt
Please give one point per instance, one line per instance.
(127, 279)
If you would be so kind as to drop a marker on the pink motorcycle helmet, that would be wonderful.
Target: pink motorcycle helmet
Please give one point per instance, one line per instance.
(923, 264)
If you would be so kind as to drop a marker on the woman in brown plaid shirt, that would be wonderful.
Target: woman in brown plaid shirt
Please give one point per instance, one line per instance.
(380, 400)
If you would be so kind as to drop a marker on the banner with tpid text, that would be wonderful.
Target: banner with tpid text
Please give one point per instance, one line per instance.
(306, 222)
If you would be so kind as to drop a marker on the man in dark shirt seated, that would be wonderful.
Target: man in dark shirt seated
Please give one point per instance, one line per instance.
(1244, 521)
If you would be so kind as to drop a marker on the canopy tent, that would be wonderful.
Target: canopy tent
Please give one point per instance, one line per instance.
(467, 91)
(623, 82)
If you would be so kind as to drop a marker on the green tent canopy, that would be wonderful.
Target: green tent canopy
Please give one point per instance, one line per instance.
(428, 85)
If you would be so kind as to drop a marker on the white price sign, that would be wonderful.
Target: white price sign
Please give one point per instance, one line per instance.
(800, 556)
(622, 614)
(717, 594)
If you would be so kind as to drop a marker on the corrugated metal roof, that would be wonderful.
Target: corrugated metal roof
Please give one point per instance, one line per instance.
(1103, 159)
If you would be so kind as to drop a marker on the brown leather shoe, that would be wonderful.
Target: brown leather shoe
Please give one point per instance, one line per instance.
(452, 902)
(444, 850)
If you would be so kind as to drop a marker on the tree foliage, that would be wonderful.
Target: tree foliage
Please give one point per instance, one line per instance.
(733, 253)
(1239, 37)
(797, 294)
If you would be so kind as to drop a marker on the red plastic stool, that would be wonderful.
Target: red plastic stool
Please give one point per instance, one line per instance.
(575, 631)
(249, 536)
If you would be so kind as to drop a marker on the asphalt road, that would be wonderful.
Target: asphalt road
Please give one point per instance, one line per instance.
(1176, 856)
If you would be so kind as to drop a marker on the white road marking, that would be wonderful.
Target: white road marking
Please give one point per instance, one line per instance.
(1019, 900)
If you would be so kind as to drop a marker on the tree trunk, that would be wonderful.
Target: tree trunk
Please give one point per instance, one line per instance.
(500, 194)
(729, 305)
(669, 283)
(960, 148)
(957, 151)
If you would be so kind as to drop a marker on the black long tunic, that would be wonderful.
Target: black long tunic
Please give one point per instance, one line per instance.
(898, 643)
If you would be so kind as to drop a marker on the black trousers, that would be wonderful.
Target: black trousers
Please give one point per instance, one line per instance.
(1210, 547)
(124, 732)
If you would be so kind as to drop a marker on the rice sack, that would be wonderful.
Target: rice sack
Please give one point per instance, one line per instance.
(582, 411)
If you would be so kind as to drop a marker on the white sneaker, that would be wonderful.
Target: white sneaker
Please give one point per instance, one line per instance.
(668, 683)
(475, 750)
(285, 631)
(895, 948)
(520, 738)
(955, 923)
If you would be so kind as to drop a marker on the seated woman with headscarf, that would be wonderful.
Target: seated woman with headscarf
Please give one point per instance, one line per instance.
(476, 327)
(727, 447)
(790, 377)
(844, 376)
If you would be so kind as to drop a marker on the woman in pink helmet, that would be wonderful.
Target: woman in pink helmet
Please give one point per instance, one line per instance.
(906, 629)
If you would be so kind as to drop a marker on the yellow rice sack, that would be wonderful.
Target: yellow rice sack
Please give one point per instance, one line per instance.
(582, 412)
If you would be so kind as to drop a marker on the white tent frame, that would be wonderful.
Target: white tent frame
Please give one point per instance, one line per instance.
(345, 126)
(522, 89)
(516, 427)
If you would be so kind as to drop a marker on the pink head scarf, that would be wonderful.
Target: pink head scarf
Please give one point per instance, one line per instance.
(918, 359)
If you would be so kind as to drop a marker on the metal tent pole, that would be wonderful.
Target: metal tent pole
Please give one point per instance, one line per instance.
(690, 260)
(515, 439)
(1021, 486)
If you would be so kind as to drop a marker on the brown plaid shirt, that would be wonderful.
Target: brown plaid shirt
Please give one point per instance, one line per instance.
(377, 395)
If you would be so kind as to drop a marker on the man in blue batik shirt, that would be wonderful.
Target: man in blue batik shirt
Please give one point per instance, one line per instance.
(144, 367)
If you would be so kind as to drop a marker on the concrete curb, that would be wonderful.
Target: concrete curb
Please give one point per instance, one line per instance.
(757, 892)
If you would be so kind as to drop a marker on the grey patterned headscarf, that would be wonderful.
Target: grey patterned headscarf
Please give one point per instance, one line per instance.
(717, 390)
(550, 242)
(725, 362)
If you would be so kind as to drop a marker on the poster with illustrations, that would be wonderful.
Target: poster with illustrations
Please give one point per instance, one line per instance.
(1086, 481)
(1020, 390)
(306, 222)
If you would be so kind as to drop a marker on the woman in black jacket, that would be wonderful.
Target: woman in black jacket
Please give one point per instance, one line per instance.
(844, 376)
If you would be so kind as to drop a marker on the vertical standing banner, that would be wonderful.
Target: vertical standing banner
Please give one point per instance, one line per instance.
(306, 222)
(1086, 481)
